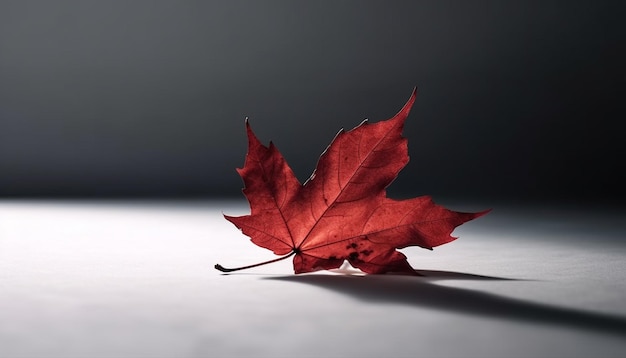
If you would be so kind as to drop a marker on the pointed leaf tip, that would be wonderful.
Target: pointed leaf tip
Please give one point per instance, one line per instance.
(409, 104)
(253, 141)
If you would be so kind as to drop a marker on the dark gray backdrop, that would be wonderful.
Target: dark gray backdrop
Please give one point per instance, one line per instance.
(517, 99)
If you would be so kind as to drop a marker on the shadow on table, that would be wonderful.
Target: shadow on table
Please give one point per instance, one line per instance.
(422, 292)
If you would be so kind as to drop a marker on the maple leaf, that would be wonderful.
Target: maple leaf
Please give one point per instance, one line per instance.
(342, 211)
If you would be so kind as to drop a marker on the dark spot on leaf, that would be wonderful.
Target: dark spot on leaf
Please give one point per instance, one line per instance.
(366, 252)
(354, 255)
(332, 258)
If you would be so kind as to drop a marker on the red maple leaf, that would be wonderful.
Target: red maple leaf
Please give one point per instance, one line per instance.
(341, 212)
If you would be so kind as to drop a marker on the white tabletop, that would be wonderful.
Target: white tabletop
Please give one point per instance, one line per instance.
(136, 279)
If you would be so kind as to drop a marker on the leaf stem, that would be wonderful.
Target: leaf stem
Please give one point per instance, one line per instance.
(224, 269)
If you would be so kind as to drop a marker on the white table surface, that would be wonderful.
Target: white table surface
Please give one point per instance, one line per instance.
(136, 279)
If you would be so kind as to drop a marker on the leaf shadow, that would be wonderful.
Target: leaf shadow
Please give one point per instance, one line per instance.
(422, 292)
(452, 275)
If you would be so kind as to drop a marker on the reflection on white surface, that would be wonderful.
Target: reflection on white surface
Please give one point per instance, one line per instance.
(137, 279)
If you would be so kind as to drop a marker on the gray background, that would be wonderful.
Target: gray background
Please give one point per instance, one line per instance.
(517, 99)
